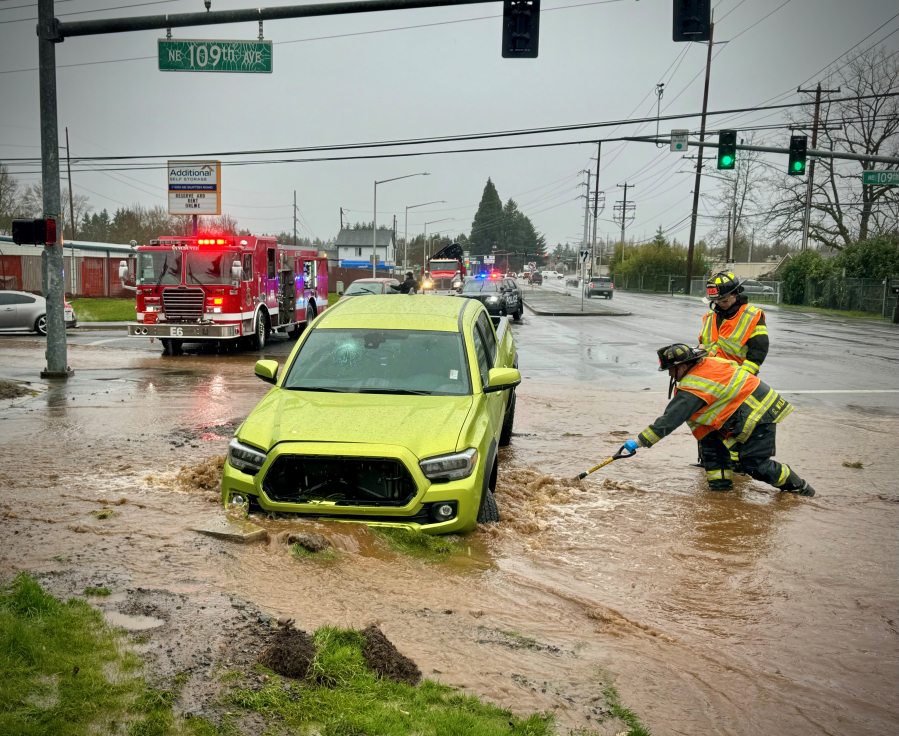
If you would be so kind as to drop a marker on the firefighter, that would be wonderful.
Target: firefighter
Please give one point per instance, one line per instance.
(733, 329)
(727, 408)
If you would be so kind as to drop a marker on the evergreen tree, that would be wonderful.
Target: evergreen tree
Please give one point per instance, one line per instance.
(487, 226)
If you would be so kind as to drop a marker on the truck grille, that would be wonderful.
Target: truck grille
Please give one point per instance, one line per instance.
(346, 481)
(184, 304)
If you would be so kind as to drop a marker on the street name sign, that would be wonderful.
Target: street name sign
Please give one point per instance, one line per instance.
(680, 139)
(208, 55)
(489, 259)
(883, 178)
(195, 187)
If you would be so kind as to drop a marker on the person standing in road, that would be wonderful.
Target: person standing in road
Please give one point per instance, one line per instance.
(728, 410)
(409, 286)
(733, 329)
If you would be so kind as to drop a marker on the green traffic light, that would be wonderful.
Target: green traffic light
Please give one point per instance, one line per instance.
(798, 166)
(727, 160)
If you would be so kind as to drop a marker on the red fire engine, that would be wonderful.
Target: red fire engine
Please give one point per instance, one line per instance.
(225, 287)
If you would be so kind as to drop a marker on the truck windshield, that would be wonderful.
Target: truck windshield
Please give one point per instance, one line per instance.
(442, 266)
(210, 267)
(381, 362)
(357, 288)
(162, 267)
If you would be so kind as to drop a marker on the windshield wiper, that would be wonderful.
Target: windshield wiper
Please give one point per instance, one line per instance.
(401, 391)
(165, 268)
(320, 388)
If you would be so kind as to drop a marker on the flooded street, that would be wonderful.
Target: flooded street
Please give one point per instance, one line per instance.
(749, 612)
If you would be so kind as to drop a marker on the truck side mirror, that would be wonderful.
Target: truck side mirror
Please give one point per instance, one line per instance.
(236, 271)
(123, 270)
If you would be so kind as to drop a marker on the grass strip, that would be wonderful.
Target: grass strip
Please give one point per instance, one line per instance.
(613, 699)
(416, 543)
(343, 697)
(105, 310)
(300, 552)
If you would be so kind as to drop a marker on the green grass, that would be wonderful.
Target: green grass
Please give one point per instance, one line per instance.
(301, 552)
(333, 298)
(635, 728)
(857, 465)
(855, 314)
(104, 514)
(416, 543)
(105, 310)
(344, 698)
(97, 591)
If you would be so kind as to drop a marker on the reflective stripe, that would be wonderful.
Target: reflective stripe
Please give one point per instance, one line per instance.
(759, 330)
(721, 474)
(758, 411)
(784, 474)
(649, 436)
(734, 455)
(753, 368)
(783, 415)
(723, 387)
(730, 341)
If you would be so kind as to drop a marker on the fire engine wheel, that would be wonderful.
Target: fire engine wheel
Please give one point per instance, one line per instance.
(310, 314)
(261, 337)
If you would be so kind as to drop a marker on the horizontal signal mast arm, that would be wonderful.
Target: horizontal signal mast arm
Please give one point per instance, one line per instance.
(249, 15)
(774, 149)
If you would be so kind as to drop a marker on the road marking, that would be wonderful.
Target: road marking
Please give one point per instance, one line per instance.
(103, 342)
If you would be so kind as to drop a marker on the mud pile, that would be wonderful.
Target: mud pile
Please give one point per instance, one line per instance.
(524, 497)
(385, 659)
(12, 390)
(290, 654)
(202, 477)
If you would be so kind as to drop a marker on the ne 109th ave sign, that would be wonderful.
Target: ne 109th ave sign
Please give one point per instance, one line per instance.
(883, 178)
(194, 55)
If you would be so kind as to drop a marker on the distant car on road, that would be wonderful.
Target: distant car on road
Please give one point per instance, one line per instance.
(361, 287)
(22, 311)
(599, 286)
(552, 275)
(755, 287)
(572, 281)
(537, 278)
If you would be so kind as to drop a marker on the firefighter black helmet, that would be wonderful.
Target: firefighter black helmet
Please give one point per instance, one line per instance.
(722, 284)
(679, 354)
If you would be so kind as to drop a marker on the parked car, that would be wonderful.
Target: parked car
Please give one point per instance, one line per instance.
(537, 278)
(599, 286)
(751, 286)
(22, 311)
(361, 287)
(493, 293)
(572, 281)
(389, 411)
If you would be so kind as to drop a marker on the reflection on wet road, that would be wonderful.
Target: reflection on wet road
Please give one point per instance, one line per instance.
(741, 613)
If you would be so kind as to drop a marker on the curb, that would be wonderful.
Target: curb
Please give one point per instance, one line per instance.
(98, 326)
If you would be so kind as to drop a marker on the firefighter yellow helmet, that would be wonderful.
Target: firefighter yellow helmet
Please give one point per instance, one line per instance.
(722, 284)
(678, 354)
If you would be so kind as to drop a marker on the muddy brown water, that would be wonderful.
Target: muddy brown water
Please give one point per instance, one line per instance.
(741, 613)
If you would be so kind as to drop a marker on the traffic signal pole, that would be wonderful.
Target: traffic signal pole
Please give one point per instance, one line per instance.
(705, 105)
(806, 220)
(52, 278)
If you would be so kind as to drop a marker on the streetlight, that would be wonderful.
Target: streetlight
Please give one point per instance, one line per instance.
(374, 229)
(424, 247)
(406, 231)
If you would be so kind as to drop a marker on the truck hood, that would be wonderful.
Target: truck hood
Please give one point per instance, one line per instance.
(425, 425)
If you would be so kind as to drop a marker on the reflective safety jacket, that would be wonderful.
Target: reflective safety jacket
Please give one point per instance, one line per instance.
(736, 337)
(718, 396)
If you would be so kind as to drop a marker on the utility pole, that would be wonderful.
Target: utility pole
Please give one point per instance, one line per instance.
(394, 245)
(624, 209)
(811, 169)
(729, 249)
(295, 216)
(595, 205)
(582, 264)
(751, 244)
(71, 196)
(51, 259)
(705, 105)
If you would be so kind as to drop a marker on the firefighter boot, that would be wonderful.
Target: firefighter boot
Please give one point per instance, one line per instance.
(804, 489)
(720, 479)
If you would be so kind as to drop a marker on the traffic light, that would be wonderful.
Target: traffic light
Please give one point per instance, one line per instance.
(798, 145)
(727, 149)
(34, 232)
(692, 20)
(521, 29)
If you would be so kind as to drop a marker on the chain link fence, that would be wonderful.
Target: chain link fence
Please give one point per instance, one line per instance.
(861, 295)
(767, 292)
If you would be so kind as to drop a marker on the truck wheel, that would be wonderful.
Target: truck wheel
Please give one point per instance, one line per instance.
(260, 338)
(166, 347)
(488, 513)
(588, 293)
(505, 436)
(311, 314)
(518, 313)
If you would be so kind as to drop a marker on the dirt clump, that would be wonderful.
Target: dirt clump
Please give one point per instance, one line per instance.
(524, 497)
(385, 659)
(12, 390)
(205, 475)
(290, 653)
(310, 541)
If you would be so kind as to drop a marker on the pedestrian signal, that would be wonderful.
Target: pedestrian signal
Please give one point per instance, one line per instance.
(521, 29)
(692, 20)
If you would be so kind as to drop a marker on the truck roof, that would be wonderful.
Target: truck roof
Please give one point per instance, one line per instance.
(396, 312)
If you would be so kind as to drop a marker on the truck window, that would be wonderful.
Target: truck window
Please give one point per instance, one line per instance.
(159, 266)
(271, 263)
(486, 328)
(481, 351)
(309, 273)
(248, 267)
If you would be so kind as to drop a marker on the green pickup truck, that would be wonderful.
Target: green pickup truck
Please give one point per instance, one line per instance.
(388, 411)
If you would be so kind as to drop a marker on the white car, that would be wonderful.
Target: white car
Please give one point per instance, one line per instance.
(551, 274)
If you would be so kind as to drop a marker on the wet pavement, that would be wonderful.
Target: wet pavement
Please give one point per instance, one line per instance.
(741, 613)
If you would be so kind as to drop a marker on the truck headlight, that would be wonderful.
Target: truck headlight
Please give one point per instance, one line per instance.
(456, 466)
(247, 459)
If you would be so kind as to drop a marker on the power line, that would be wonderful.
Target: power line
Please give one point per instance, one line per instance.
(85, 12)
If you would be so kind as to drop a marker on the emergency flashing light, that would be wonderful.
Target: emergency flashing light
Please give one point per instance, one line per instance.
(212, 241)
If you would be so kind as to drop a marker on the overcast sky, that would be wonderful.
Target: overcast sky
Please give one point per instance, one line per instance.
(598, 61)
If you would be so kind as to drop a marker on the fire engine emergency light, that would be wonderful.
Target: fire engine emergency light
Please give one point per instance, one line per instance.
(34, 232)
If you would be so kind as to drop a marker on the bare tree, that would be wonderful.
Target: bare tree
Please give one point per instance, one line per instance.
(32, 205)
(844, 211)
(10, 200)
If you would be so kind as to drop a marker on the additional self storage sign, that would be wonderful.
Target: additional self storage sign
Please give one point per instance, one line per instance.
(195, 187)
(206, 55)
